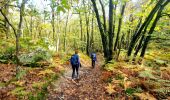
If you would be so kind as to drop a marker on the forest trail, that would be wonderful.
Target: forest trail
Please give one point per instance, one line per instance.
(89, 86)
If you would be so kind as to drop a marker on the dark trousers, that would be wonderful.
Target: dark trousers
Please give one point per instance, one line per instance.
(75, 70)
(93, 63)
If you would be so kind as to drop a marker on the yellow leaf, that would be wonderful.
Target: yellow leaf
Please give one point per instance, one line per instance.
(19, 83)
(145, 96)
(47, 71)
(110, 89)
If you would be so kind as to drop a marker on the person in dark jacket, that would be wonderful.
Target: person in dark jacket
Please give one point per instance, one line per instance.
(93, 59)
(75, 63)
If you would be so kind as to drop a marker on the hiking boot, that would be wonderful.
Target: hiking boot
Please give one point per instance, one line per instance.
(78, 77)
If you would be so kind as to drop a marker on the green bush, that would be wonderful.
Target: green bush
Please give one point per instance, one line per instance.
(7, 55)
(32, 59)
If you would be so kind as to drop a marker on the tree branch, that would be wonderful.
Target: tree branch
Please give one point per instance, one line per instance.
(165, 14)
(4, 4)
(104, 16)
(8, 22)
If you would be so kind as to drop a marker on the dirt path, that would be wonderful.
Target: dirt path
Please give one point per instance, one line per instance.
(88, 87)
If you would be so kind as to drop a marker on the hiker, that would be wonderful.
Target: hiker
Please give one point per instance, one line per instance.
(75, 62)
(93, 59)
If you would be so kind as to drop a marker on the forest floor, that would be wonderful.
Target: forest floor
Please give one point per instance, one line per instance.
(118, 80)
(88, 87)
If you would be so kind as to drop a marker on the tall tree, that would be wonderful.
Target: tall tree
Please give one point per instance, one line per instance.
(120, 24)
(107, 36)
(53, 6)
(87, 26)
(17, 31)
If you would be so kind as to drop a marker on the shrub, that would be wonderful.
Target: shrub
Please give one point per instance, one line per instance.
(32, 59)
(7, 55)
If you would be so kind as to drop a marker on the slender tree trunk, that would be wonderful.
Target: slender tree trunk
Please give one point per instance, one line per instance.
(129, 33)
(139, 45)
(120, 46)
(81, 29)
(119, 27)
(81, 26)
(19, 32)
(65, 31)
(6, 23)
(58, 33)
(104, 16)
(110, 32)
(31, 26)
(87, 29)
(92, 34)
(53, 23)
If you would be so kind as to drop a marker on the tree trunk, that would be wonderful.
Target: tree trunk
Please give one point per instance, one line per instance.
(53, 23)
(120, 46)
(6, 23)
(58, 33)
(31, 26)
(65, 31)
(92, 34)
(110, 32)
(87, 29)
(81, 26)
(19, 32)
(119, 27)
(139, 45)
(104, 16)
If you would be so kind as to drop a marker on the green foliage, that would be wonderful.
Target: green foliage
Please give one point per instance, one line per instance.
(119, 77)
(2, 84)
(110, 66)
(42, 91)
(147, 74)
(19, 91)
(33, 58)
(109, 80)
(38, 84)
(164, 90)
(130, 91)
(7, 55)
(21, 73)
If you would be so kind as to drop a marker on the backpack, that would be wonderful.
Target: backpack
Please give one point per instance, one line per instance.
(93, 56)
(74, 60)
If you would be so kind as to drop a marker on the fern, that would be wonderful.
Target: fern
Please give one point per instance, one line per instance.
(166, 81)
(19, 91)
(21, 73)
(38, 84)
(164, 90)
(147, 74)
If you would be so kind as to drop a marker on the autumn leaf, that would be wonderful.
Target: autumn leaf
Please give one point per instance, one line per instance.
(145, 96)
(110, 88)
(47, 71)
